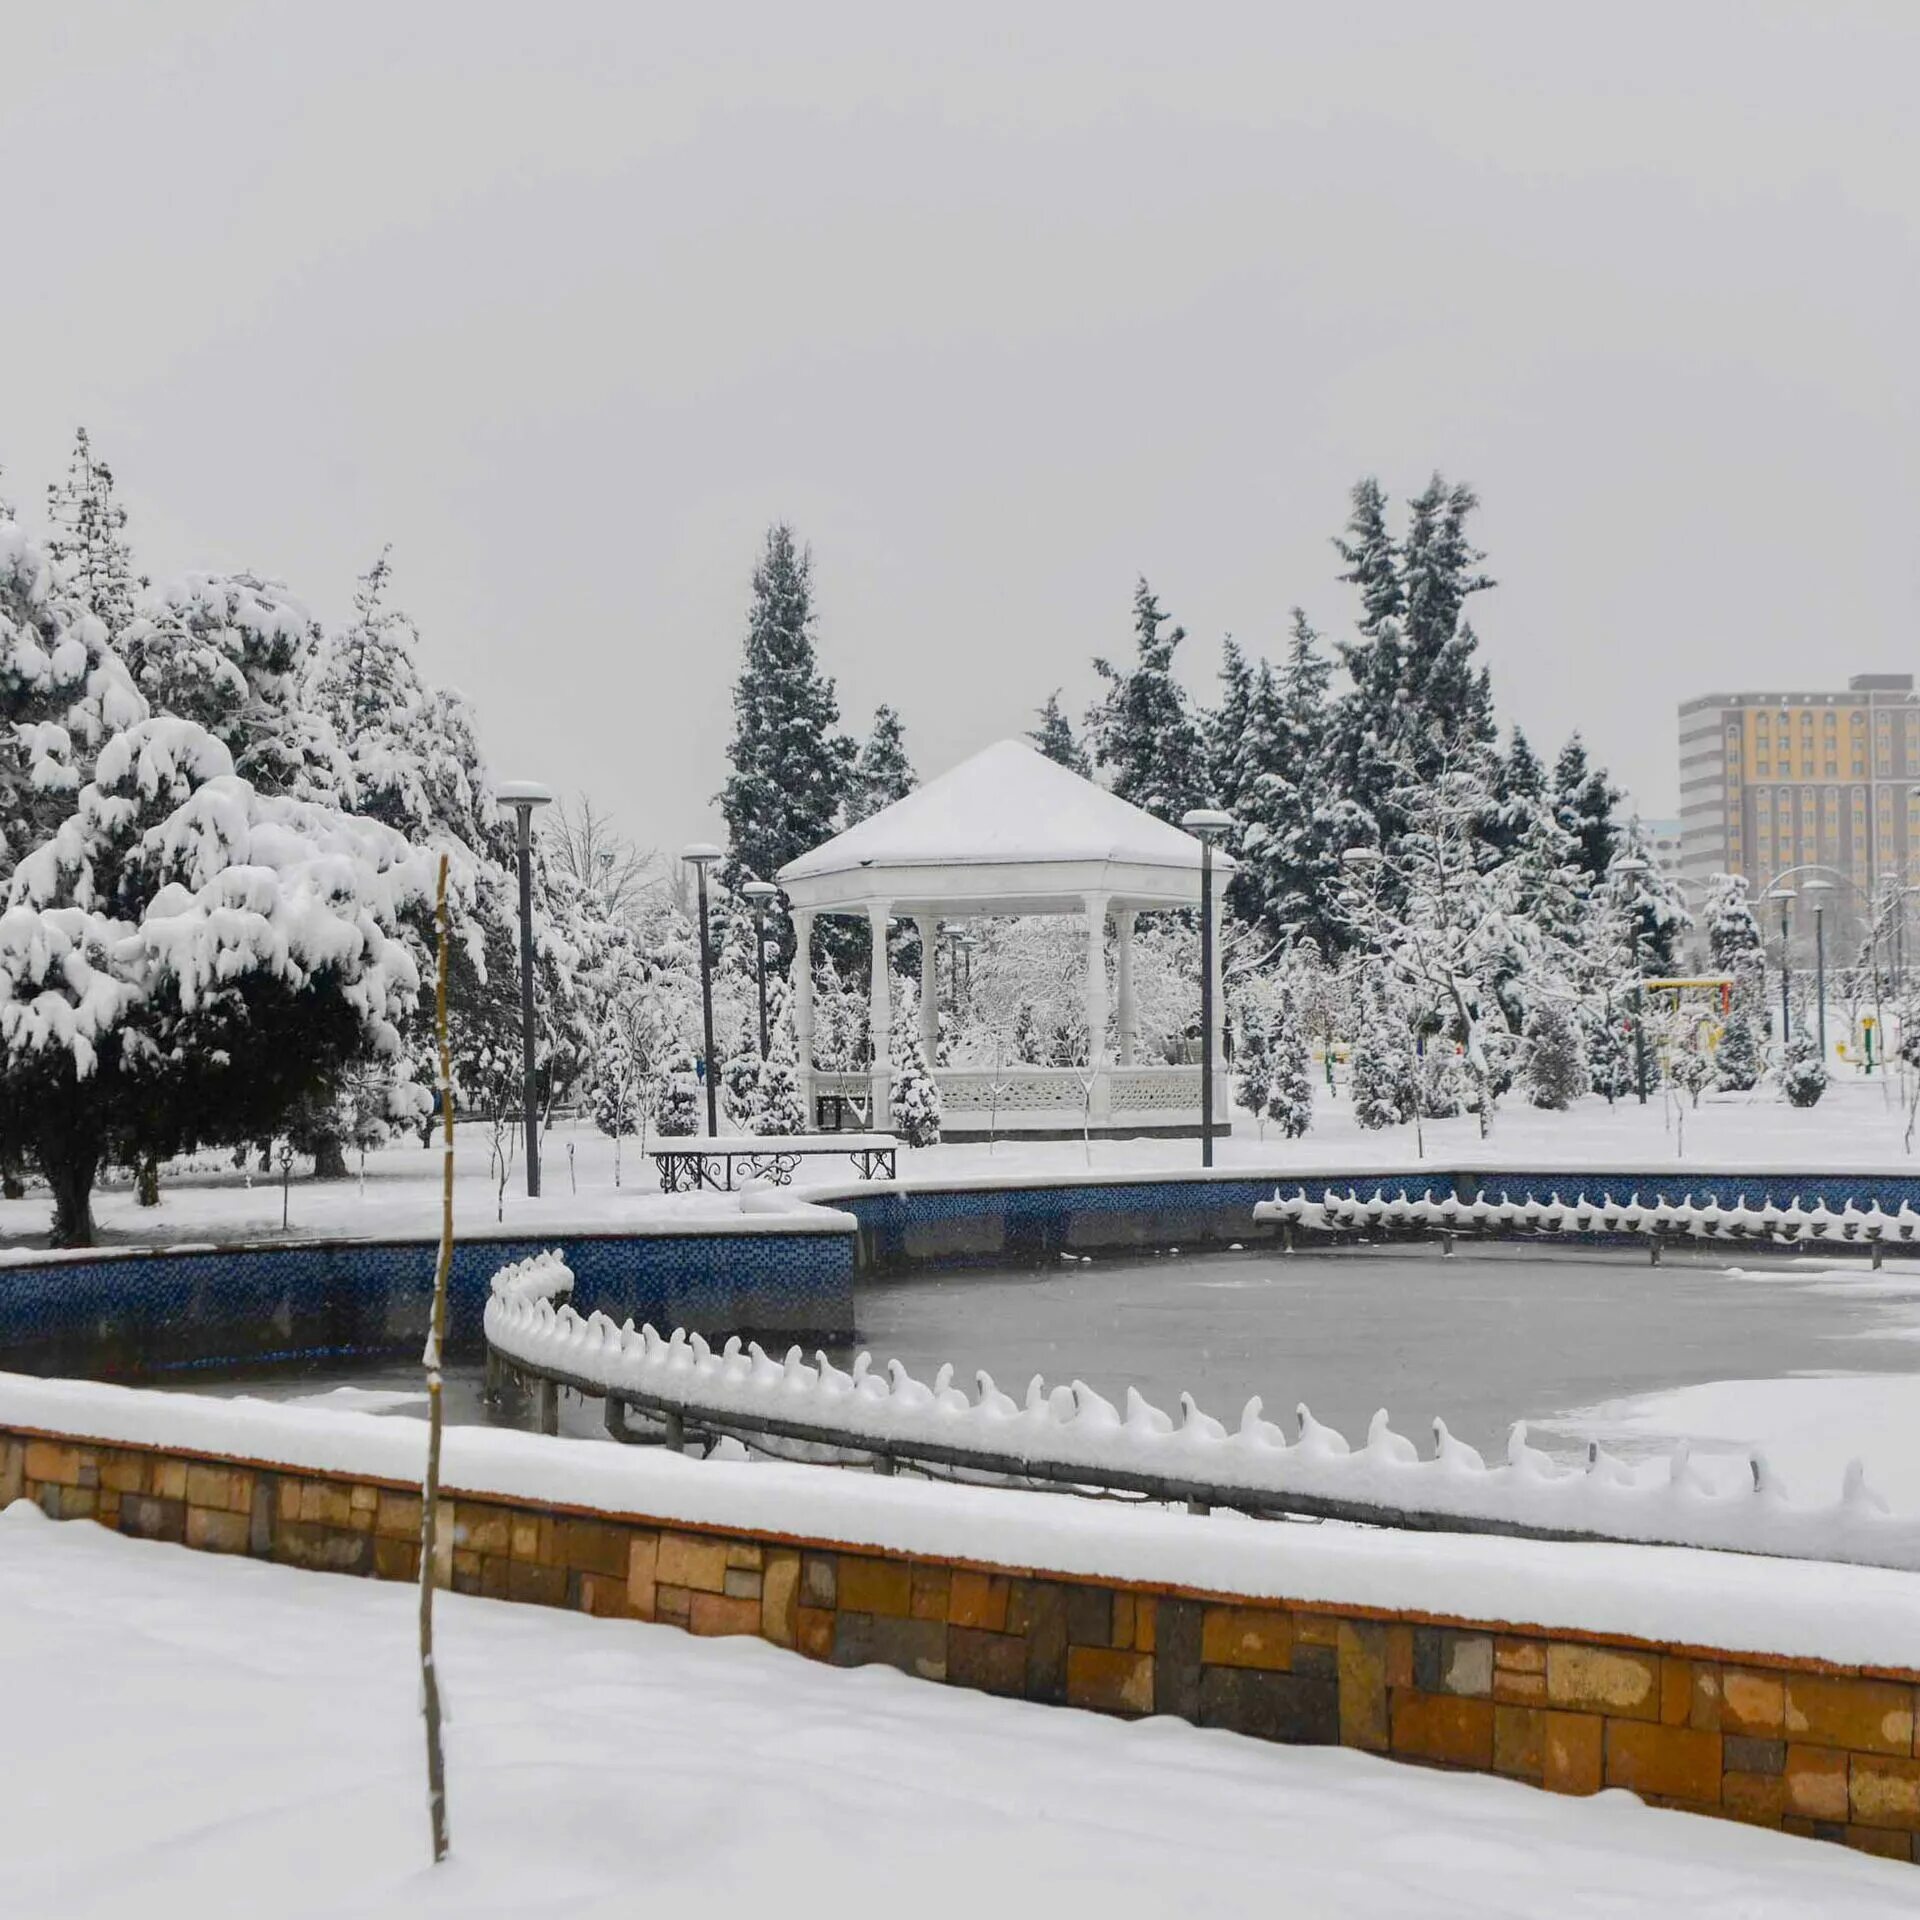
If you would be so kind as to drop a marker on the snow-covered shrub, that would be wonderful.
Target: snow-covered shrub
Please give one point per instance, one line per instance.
(677, 1104)
(1691, 1069)
(1555, 1062)
(1803, 1074)
(1290, 1072)
(916, 1096)
(1441, 1082)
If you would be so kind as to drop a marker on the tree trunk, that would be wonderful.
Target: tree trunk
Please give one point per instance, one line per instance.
(147, 1180)
(70, 1175)
(330, 1159)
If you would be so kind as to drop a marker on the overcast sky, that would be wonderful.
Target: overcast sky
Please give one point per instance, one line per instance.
(1001, 308)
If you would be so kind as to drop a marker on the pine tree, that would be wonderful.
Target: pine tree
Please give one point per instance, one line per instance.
(882, 774)
(1733, 934)
(916, 1094)
(1384, 1087)
(1555, 1065)
(1740, 1058)
(1143, 728)
(1803, 1074)
(1609, 1048)
(777, 1107)
(1656, 910)
(89, 539)
(789, 765)
(1584, 800)
(1416, 695)
(1054, 737)
(1226, 729)
(1253, 1063)
(1290, 1085)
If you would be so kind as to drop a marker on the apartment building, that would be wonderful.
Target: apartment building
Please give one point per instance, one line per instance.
(1774, 781)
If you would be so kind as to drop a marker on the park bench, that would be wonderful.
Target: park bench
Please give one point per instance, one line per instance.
(704, 1160)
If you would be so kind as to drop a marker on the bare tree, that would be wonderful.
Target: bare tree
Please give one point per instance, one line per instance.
(583, 841)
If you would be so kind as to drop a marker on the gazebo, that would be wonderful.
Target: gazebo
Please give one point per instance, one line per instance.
(1011, 832)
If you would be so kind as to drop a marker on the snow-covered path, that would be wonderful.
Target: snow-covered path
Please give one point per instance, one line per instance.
(193, 1736)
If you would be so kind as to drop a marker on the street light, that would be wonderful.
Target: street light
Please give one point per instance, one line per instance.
(1820, 887)
(1633, 866)
(1785, 896)
(1206, 824)
(524, 798)
(700, 856)
(760, 895)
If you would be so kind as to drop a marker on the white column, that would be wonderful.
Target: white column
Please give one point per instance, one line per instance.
(877, 917)
(929, 930)
(1123, 967)
(1217, 1038)
(803, 1008)
(1099, 1056)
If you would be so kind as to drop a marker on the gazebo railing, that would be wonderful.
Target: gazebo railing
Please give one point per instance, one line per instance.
(1027, 1089)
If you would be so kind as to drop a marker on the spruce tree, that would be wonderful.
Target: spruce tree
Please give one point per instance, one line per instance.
(1384, 1070)
(1054, 737)
(1733, 934)
(882, 774)
(89, 542)
(1555, 1065)
(1803, 1074)
(1226, 728)
(789, 765)
(777, 1107)
(1584, 800)
(1740, 1058)
(916, 1094)
(1290, 1079)
(1253, 1063)
(1143, 728)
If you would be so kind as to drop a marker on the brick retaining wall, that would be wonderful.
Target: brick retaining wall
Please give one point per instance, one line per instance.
(1815, 1749)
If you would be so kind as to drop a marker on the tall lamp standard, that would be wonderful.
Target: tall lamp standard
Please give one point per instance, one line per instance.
(523, 798)
(700, 856)
(760, 895)
(1820, 889)
(1206, 824)
(1785, 896)
(1633, 866)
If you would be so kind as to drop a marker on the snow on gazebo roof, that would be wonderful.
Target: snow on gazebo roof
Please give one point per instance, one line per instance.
(1007, 830)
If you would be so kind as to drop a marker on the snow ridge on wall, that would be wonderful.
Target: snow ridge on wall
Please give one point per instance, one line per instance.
(1662, 1218)
(1071, 1427)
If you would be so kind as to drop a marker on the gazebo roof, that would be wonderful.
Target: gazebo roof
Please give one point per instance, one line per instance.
(1007, 831)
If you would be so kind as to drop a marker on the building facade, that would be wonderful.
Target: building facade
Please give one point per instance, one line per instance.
(1771, 782)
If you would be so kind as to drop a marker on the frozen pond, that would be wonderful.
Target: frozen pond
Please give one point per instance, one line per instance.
(1492, 1335)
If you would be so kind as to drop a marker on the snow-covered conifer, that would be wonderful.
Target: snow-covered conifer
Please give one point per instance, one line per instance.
(1554, 1066)
(1054, 737)
(789, 765)
(1382, 1065)
(778, 1107)
(1290, 1080)
(1803, 1074)
(1142, 728)
(89, 540)
(882, 774)
(916, 1094)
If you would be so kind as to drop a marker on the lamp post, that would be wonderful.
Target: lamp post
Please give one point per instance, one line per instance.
(1633, 866)
(1206, 824)
(760, 895)
(700, 856)
(1819, 889)
(1785, 896)
(523, 798)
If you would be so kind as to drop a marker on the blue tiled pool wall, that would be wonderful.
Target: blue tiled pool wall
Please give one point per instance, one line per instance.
(1034, 1226)
(137, 1315)
(211, 1308)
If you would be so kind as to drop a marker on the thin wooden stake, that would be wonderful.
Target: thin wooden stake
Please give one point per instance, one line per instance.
(436, 1340)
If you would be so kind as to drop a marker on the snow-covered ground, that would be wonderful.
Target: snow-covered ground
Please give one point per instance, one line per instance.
(1859, 1126)
(193, 1736)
